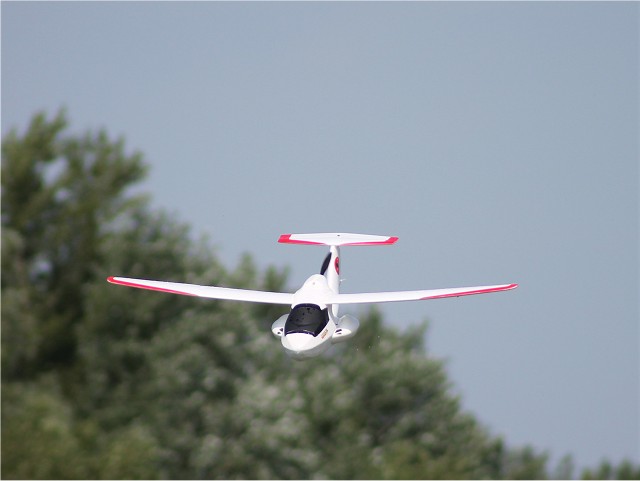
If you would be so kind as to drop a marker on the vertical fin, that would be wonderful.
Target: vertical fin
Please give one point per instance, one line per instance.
(333, 269)
(333, 274)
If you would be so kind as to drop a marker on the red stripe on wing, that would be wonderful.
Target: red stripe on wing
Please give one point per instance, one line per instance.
(113, 280)
(286, 239)
(468, 293)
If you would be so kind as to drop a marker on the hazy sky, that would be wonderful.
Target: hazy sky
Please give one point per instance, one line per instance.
(499, 141)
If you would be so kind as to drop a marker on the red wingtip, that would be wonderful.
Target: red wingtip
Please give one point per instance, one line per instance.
(479, 291)
(286, 239)
(128, 283)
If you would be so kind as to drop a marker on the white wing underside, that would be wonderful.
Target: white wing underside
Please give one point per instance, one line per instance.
(206, 291)
(423, 295)
(286, 298)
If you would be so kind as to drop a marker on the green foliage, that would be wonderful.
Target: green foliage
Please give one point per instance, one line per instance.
(103, 382)
(37, 426)
(58, 194)
(625, 470)
(42, 439)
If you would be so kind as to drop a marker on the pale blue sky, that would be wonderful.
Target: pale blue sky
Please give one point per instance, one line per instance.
(499, 141)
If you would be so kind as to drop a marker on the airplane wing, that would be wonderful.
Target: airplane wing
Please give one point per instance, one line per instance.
(374, 297)
(206, 291)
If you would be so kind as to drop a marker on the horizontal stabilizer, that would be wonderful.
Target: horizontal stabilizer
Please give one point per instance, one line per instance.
(206, 291)
(337, 239)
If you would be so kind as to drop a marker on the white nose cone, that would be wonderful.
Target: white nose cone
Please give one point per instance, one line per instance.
(297, 341)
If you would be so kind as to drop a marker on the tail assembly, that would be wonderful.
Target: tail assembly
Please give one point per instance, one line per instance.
(337, 239)
(331, 265)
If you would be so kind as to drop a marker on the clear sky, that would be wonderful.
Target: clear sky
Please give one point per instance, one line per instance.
(499, 141)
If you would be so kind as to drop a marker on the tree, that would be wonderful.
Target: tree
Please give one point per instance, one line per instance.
(625, 470)
(59, 195)
(69, 221)
(100, 381)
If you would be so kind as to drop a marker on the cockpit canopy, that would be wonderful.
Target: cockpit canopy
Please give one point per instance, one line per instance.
(306, 318)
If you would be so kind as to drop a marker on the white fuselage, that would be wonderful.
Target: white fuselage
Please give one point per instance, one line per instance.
(313, 324)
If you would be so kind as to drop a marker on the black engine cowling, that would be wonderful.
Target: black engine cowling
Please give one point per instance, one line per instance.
(306, 318)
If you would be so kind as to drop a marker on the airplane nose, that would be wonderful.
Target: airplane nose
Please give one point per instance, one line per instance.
(298, 340)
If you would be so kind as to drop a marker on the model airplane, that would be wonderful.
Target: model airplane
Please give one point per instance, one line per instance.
(313, 323)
